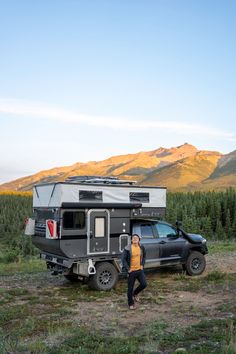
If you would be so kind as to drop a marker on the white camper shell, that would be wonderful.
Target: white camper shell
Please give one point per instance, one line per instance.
(57, 195)
(80, 224)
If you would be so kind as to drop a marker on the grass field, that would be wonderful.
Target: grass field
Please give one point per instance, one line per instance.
(221, 247)
(40, 313)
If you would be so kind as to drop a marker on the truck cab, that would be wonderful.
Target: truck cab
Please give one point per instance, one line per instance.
(166, 244)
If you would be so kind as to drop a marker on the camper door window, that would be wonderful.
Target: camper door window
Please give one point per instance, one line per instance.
(73, 220)
(100, 227)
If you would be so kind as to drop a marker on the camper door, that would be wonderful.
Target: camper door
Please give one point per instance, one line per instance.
(98, 231)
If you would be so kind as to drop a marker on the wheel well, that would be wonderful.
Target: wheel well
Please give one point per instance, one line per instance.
(198, 249)
(112, 261)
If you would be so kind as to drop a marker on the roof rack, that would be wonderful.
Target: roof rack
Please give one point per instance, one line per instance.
(98, 180)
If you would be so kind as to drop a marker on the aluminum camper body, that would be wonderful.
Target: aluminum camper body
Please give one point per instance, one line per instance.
(91, 220)
(76, 224)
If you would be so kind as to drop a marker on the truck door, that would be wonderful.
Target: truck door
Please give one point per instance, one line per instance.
(171, 244)
(98, 234)
(149, 240)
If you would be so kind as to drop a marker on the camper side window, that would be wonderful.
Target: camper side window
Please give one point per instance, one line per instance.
(139, 197)
(73, 220)
(90, 195)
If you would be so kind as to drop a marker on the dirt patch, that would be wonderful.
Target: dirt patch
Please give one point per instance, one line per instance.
(176, 308)
(179, 309)
(222, 262)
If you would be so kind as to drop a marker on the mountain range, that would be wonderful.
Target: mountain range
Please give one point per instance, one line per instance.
(181, 168)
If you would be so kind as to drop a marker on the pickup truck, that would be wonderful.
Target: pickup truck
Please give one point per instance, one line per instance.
(165, 244)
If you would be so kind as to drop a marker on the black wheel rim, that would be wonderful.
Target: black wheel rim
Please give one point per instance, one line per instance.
(196, 264)
(105, 277)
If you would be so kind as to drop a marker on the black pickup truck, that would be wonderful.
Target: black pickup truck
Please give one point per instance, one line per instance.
(165, 245)
(168, 245)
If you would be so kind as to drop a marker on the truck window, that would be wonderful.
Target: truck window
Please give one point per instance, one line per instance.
(163, 230)
(146, 231)
(73, 220)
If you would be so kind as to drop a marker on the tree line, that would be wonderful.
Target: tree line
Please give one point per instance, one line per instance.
(14, 209)
(212, 214)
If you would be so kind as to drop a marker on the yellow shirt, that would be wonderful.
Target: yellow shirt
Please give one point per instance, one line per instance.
(135, 259)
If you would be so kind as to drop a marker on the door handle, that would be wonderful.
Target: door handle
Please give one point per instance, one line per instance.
(91, 234)
(162, 242)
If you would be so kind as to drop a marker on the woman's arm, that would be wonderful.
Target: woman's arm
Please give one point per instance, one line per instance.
(144, 256)
(125, 266)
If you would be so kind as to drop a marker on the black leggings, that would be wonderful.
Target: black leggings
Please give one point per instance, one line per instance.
(138, 274)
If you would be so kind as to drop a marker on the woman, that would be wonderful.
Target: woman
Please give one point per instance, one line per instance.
(133, 260)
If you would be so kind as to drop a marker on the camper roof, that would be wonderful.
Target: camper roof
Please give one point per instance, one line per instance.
(98, 180)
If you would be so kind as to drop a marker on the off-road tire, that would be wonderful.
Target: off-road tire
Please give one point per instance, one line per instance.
(105, 278)
(196, 263)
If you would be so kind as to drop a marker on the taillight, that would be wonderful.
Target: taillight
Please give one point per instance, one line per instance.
(51, 229)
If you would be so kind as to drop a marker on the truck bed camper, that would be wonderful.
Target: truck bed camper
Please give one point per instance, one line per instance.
(82, 225)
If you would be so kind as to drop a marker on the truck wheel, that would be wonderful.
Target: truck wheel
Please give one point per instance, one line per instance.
(196, 263)
(105, 278)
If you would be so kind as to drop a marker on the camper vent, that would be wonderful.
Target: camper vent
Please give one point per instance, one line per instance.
(98, 180)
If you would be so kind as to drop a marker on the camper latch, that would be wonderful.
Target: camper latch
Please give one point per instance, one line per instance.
(91, 268)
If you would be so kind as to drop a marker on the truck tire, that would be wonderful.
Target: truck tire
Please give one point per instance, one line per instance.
(196, 263)
(105, 278)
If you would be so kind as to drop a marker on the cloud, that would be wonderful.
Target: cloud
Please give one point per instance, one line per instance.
(39, 110)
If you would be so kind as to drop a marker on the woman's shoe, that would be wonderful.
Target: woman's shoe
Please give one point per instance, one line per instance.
(137, 298)
(132, 307)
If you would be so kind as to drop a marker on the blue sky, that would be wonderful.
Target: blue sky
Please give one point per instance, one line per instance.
(85, 80)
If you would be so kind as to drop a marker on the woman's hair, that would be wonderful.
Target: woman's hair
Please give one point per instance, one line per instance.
(135, 235)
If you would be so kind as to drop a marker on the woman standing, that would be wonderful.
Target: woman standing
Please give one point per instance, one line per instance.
(133, 260)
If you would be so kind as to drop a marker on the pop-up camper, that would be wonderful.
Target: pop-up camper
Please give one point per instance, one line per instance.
(81, 226)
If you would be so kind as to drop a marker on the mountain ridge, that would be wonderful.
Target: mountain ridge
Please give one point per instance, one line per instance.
(180, 168)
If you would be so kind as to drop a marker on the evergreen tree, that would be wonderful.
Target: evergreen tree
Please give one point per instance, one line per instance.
(206, 227)
(227, 224)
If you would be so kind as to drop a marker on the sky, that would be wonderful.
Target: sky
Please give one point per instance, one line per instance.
(84, 80)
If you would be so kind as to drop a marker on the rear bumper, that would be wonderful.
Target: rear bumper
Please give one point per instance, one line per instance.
(56, 260)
